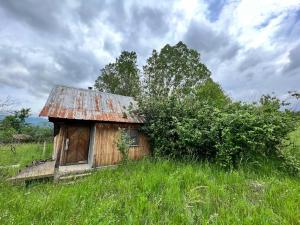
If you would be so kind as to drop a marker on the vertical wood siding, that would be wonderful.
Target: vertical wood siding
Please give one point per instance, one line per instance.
(58, 144)
(105, 150)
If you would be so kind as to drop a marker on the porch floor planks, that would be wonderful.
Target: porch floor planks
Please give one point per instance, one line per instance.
(42, 170)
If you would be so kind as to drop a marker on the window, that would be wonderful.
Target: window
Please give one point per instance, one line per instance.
(134, 136)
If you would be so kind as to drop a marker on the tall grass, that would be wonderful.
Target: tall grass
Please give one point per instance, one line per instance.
(24, 154)
(295, 142)
(155, 192)
(160, 192)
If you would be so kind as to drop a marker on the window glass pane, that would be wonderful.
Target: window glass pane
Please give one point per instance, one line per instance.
(134, 136)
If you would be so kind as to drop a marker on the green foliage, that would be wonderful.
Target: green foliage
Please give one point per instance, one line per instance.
(15, 124)
(175, 69)
(120, 77)
(154, 192)
(211, 93)
(16, 121)
(6, 134)
(38, 134)
(123, 144)
(204, 128)
(188, 115)
(290, 163)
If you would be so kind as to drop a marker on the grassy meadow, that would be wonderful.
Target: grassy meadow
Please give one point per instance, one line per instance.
(153, 192)
(25, 154)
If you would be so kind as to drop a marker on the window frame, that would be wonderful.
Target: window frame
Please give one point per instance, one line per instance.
(134, 136)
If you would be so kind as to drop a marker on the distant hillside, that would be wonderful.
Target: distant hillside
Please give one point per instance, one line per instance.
(38, 121)
(34, 120)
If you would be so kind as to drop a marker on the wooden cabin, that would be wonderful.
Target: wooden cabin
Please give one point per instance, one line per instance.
(86, 126)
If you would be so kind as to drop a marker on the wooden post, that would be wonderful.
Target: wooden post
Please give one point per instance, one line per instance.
(44, 149)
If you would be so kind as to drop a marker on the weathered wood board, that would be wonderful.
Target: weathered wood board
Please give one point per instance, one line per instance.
(42, 170)
(105, 149)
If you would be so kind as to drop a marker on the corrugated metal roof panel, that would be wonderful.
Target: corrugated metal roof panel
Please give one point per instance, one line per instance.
(83, 104)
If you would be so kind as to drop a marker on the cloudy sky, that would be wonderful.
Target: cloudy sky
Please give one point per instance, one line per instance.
(252, 46)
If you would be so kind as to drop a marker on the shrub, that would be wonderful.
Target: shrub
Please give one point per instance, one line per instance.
(227, 133)
(123, 144)
(290, 163)
(6, 135)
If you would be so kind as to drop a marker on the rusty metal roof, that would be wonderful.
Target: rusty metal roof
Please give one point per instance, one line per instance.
(83, 104)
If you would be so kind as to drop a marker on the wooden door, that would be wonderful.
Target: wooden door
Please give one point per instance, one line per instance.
(77, 144)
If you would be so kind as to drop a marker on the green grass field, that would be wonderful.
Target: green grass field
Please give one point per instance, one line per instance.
(153, 192)
(25, 154)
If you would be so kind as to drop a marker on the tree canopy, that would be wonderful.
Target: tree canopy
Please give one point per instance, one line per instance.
(17, 120)
(120, 77)
(174, 69)
(188, 115)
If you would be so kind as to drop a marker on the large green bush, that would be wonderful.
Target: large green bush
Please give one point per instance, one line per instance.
(217, 129)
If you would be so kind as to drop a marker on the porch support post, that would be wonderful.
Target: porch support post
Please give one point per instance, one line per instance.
(91, 156)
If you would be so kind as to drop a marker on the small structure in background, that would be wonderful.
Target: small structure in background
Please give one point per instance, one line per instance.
(86, 128)
(19, 138)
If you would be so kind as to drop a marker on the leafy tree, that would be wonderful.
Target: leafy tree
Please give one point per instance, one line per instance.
(270, 102)
(175, 69)
(188, 115)
(212, 93)
(120, 77)
(16, 121)
(16, 124)
(38, 133)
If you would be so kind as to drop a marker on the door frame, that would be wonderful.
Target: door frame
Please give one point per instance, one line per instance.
(69, 151)
(61, 153)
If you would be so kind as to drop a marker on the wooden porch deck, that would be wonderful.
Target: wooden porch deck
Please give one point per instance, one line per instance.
(42, 170)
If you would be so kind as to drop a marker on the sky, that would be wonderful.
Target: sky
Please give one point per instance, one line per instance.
(252, 47)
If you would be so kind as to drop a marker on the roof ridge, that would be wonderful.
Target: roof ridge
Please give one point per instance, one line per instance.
(91, 90)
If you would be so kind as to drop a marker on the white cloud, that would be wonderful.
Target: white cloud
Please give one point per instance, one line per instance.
(250, 46)
(253, 26)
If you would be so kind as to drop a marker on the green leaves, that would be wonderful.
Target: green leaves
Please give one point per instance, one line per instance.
(15, 124)
(175, 69)
(188, 115)
(123, 144)
(217, 130)
(120, 77)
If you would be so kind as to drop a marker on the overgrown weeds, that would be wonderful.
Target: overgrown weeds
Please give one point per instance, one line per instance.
(158, 192)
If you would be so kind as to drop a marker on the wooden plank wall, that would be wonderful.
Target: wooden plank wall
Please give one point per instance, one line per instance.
(57, 141)
(58, 144)
(105, 150)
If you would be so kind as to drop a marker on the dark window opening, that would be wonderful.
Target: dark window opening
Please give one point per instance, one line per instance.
(134, 137)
